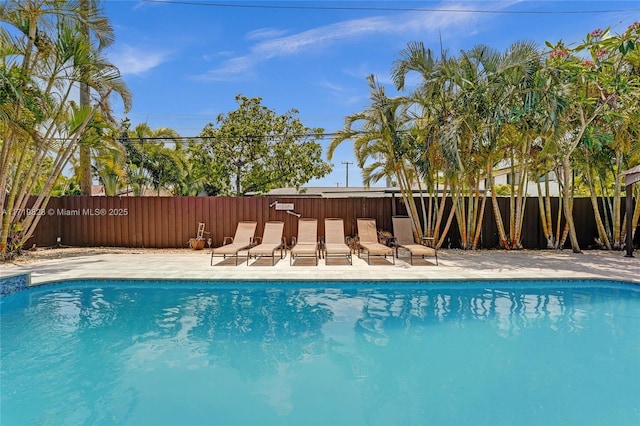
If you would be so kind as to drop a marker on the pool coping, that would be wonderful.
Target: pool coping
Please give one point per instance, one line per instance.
(331, 283)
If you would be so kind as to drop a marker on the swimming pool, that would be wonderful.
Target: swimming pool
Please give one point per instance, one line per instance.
(153, 352)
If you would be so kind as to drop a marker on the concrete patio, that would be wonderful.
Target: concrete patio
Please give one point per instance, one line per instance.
(453, 265)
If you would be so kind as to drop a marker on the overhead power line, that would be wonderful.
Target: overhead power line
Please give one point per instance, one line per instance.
(390, 9)
(201, 139)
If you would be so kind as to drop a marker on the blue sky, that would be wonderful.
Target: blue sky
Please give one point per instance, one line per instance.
(185, 61)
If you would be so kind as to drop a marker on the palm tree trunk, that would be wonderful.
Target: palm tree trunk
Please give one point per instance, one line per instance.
(439, 217)
(602, 233)
(512, 196)
(405, 187)
(452, 214)
(422, 204)
(543, 214)
(560, 236)
(544, 204)
(608, 209)
(461, 217)
(476, 237)
(497, 216)
(432, 207)
(85, 100)
(520, 204)
(617, 203)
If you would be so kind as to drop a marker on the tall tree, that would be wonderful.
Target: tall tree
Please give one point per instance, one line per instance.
(253, 149)
(593, 89)
(154, 158)
(43, 55)
(436, 162)
(380, 136)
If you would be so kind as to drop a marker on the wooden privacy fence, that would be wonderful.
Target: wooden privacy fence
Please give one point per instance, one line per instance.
(169, 222)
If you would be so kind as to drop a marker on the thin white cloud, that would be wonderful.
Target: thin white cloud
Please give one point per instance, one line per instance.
(231, 70)
(409, 24)
(265, 33)
(320, 37)
(135, 61)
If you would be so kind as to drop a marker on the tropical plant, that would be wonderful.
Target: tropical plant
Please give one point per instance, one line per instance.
(108, 156)
(381, 137)
(154, 158)
(593, 90)
(435, 163)
(43, 53)
(486, 108)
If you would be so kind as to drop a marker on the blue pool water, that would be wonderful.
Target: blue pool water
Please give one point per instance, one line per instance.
(158, 353)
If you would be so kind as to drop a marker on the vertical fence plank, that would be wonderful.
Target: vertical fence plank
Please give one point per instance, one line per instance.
(135, 221)
(149, 222)
(133, 232)
(190, 218)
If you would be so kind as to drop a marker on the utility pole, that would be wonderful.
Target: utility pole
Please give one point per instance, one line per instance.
(347, 163)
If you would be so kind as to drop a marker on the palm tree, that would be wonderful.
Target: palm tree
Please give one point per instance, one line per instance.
(150, 162)
(516, 82)
(471, 105)
(381, 144)
(431, 105)
(107, 152)
(41, 123)
(101, 30)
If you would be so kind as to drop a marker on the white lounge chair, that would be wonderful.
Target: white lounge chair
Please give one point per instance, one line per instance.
(403, 238)
(368, 241)
(335, 243)
(242, 240)
(306, 243)
(271, 241)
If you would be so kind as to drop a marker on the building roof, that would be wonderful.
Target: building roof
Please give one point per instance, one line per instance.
(333, 192)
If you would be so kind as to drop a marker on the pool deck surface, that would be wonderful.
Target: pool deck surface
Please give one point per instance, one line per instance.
(453, 265)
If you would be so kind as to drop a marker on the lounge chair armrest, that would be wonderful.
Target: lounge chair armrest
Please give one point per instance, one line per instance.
(227, 240)
(294, 241)
(254, 241)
